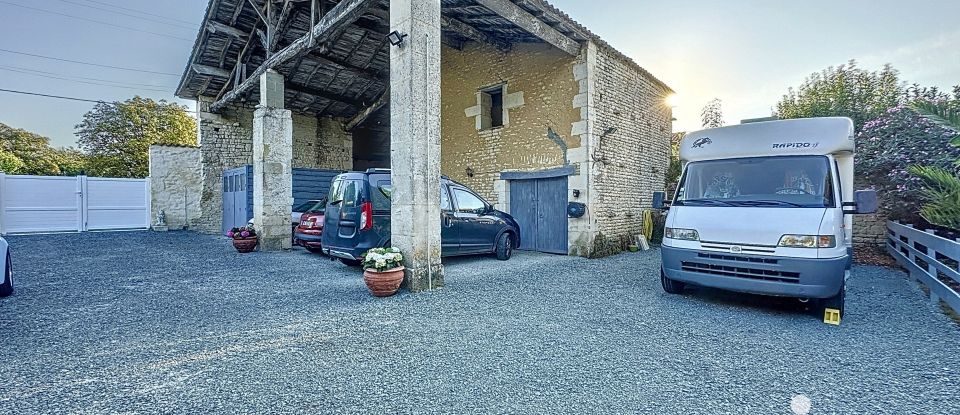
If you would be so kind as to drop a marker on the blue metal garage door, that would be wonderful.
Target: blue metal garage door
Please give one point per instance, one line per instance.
(308, 184)
(540, 208)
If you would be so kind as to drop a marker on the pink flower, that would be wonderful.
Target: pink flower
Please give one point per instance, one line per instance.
(230, 234)
(245, 234)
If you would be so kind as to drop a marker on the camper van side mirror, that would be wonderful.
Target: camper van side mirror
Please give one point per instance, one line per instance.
(864, 202)
(660, 200)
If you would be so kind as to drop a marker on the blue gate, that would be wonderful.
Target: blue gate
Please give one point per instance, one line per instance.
(540, 207)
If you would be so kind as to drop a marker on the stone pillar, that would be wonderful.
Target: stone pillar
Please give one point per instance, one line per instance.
(272, 158)
(415, 140)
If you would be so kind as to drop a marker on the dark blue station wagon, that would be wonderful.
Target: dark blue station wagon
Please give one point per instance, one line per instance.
(357, 219)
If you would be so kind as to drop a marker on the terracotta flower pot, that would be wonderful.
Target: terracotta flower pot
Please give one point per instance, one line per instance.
(383, 284)
(245, 245)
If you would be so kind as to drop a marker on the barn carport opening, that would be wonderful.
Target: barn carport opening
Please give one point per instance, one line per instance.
(503, 96)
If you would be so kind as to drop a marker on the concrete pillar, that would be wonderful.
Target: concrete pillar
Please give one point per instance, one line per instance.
(415, 140)
(272, 158)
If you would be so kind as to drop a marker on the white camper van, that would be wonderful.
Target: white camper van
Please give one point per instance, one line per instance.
(766, 208)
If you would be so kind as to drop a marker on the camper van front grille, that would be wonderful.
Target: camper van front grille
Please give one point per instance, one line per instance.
(742, 272)
(739, 258)
(747, 249)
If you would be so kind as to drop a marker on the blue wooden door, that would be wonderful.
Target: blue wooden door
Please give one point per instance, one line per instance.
(540, 208)
(552, 215)
(235, 200)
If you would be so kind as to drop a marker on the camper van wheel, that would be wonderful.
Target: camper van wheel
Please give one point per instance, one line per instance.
(670, 286)
(832, 307)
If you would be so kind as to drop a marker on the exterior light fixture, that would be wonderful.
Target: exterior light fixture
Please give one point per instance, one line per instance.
(396, 38)
(470, 172)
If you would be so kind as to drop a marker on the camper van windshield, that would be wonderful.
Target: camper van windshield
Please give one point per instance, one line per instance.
(793, 182)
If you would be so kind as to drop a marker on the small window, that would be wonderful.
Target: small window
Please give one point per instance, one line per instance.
(468, 202)
(492, 107)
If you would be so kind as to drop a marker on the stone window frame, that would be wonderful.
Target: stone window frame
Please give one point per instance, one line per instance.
(482, 111)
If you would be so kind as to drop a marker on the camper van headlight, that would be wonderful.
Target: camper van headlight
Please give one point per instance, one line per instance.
(808, 241)
(682, 234)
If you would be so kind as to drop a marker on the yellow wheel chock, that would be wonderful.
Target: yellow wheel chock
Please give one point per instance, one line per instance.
(831, 316)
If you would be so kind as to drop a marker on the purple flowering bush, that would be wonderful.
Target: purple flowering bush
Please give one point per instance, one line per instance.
(246, 232)
(886, 149)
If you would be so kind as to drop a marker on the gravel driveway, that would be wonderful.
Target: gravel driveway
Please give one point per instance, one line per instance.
(180, 323)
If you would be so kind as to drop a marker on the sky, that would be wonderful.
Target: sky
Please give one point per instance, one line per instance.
(744, 52)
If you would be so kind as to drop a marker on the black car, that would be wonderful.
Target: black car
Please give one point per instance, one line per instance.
(357, 218)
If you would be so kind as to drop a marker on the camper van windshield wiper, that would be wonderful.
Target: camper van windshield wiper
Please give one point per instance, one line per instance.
(769, 203)
(706, 202)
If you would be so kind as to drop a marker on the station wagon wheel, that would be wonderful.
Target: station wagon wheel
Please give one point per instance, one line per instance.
(6, 288)
(504, 246)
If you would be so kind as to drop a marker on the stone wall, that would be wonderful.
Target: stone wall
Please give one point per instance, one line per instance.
(869, 230)
(631, 146)
(175, 184)
(536, 132)
(334, 145)
(226, 142)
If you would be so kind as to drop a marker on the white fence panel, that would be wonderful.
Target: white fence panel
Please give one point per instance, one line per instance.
(116, 204)
(58, 204)
(41, 204)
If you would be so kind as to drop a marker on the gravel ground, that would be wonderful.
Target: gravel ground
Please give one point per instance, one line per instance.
(180, 323)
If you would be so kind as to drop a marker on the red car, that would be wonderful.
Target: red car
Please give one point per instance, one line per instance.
(310, 231)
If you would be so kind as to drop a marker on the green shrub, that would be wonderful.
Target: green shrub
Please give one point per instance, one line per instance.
(942, 196)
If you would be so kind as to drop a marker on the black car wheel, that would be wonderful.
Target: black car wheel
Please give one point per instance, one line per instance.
(7, 287)
(505, 246)
(670, 286)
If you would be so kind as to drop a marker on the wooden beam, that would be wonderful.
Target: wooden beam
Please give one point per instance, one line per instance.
(531, 24)
(290, 86)
(470, 32)
(217, 27)
(331, 24)
(210, 70)
(281, 24)
(368, 111)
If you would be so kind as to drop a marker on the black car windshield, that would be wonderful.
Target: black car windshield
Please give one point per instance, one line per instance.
(793, 182)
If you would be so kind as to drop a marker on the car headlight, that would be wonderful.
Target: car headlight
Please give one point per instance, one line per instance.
(682, 234)
(808, 241)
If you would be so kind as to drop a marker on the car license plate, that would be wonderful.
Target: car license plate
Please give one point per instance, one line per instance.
(306, 224)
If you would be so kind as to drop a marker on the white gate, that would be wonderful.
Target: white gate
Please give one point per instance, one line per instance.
(57, 204)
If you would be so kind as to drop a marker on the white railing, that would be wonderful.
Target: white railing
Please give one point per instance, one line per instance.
(929, 258)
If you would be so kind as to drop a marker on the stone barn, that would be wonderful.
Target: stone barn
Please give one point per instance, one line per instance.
(512, 98)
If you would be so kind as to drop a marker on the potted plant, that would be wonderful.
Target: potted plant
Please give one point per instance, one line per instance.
(244, 239)
(383, 271)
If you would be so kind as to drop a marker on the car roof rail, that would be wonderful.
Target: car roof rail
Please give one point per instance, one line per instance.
(378, 170)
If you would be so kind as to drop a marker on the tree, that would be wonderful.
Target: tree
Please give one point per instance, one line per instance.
(117, 136)
(34, 153)
(844, 91)
(712, 115)
(10, 163)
